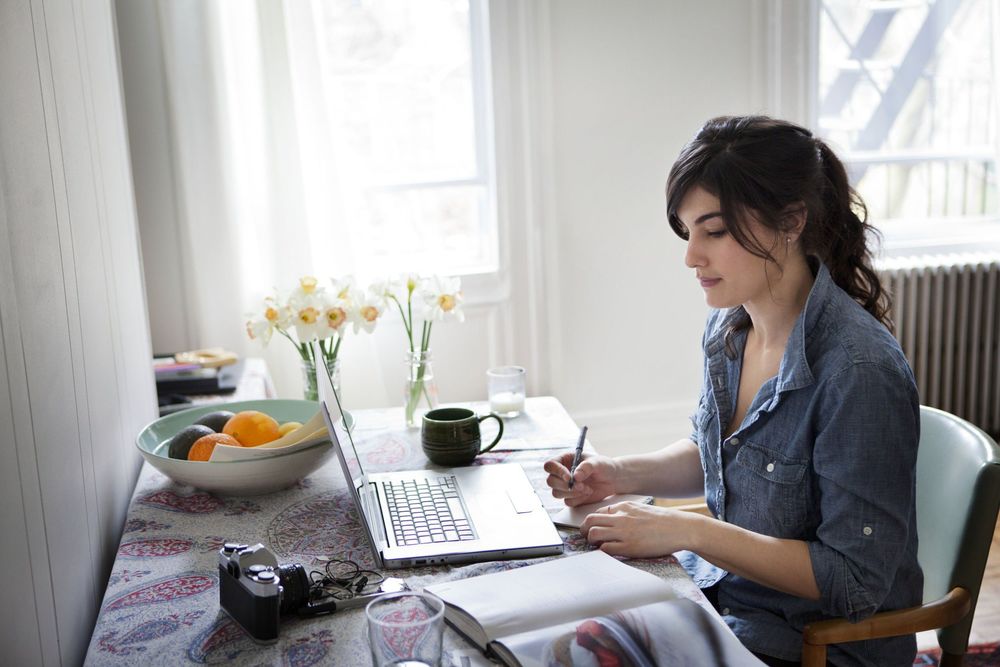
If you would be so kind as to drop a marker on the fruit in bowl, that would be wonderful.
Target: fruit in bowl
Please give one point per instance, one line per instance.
(271, 466)
(252, 428)
(247, 428)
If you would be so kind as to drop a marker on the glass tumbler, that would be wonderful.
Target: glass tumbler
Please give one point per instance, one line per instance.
(505, 387)
(404, 629)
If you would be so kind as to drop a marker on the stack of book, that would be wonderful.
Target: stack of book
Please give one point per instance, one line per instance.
(175, 376)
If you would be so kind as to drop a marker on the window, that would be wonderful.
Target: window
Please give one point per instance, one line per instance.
(907, 98)
(405, 99)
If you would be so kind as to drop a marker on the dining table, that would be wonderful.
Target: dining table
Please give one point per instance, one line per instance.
(161, 605)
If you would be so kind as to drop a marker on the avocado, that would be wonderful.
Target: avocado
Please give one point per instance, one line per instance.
(181, 443)
(215, 420)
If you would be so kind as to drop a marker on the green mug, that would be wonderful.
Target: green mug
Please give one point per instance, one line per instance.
(450, 436)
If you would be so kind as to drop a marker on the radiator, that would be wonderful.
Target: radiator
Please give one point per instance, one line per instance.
(947, 319)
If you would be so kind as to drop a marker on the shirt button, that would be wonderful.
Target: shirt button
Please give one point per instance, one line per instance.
(734, 441)
(867, 530)
(770, 467)
(725, 611)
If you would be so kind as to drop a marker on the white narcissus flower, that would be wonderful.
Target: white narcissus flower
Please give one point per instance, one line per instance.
(308, 308)
(384, 291)
(263, 325)
(343, 289)
(340, 305)
(443, 298)
(335, 316)
(369, 308)
(308, 289)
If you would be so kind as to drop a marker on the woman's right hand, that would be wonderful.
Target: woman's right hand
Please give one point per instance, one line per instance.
(594, 479)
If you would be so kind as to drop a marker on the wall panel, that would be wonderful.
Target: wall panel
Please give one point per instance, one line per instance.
(75, 381)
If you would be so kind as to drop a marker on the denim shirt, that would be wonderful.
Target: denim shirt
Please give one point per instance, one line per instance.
(826, 454)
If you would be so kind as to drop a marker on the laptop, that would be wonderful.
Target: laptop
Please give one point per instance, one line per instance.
(455, 515)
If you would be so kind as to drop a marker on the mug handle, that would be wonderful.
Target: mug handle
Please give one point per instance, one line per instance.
(499, 435)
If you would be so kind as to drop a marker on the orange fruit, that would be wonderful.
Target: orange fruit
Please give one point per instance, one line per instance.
(202, 448)
(288, 427)
(252, 428)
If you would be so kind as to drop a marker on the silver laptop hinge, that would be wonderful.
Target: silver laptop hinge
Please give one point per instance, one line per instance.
(374, 512)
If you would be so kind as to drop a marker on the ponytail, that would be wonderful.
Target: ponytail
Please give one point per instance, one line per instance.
(839, 236)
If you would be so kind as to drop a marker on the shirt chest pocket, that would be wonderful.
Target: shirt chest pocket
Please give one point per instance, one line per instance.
(775, 487)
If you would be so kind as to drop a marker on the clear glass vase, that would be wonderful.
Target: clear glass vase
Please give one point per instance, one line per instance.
(310, 386)
(420, 393)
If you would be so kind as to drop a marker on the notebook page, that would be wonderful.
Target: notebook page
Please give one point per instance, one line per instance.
(556, 591)
(572, 517)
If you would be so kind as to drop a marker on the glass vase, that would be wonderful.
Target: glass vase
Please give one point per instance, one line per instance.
(420, 393)
(310, 386)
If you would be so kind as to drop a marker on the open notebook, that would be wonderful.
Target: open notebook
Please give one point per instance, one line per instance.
(586, 609)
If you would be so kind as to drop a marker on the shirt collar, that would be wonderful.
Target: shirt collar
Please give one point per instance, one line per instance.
(794, 372)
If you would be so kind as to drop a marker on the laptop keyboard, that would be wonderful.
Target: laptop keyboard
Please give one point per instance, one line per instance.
(425, 511)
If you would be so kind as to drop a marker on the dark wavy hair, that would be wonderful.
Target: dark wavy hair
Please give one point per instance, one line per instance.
(772, 169)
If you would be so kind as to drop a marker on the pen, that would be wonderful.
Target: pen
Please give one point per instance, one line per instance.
(577, 455)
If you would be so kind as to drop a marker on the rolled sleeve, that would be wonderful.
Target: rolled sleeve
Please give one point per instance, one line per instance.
(865, 462)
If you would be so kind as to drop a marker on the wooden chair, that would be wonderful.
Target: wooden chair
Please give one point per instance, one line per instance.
(958, 495)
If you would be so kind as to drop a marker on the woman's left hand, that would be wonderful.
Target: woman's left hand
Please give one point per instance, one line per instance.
(638, 530)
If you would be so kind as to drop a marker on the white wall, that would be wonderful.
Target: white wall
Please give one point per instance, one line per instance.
(629, 83)
(75, 381)
(594, 100)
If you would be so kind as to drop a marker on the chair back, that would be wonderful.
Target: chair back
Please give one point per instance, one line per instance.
(958, 496)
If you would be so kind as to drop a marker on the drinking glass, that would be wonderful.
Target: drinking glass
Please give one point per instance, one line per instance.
(404, 629)
(505, 387)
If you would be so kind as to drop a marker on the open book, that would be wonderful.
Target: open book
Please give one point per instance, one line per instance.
(586, 609)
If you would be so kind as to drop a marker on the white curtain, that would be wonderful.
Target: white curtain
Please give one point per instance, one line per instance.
(256, 178)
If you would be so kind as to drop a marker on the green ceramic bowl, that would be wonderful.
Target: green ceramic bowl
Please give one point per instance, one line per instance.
(241, 478)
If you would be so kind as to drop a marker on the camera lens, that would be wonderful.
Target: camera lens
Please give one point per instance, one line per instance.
(294, 587)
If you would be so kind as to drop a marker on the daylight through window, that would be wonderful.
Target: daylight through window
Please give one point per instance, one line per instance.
(405, 94)
(907, 97)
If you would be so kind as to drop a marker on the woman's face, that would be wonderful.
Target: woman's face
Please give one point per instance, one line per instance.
(730, 275)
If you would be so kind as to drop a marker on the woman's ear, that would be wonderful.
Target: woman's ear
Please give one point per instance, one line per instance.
(794, 219)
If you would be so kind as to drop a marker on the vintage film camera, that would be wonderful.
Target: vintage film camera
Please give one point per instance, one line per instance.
(255, 591)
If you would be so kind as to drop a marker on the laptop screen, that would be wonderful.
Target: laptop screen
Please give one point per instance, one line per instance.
(350, 462)
(328, 396)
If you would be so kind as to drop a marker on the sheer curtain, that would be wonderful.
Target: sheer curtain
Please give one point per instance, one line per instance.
(256, 183)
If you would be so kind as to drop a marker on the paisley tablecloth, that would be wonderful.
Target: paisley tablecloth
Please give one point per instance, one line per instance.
(161, 606)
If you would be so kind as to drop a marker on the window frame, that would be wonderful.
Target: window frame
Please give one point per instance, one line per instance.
(904, 236)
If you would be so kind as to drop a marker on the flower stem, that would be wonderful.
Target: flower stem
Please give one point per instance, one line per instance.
(409, 310)
(425, 341)
(301, 347)
(406, 322)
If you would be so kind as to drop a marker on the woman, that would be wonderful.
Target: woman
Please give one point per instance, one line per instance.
(805, 437)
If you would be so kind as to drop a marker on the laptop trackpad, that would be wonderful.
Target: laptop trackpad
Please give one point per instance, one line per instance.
(524, 501)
